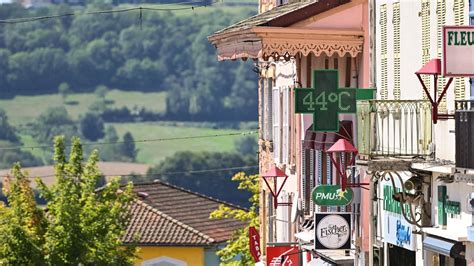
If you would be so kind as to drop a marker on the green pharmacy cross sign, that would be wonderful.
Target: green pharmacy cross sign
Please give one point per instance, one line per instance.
(325, 100)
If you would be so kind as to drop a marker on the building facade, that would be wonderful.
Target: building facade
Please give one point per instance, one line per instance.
(411, 186)
(411, 146)
(288, 41)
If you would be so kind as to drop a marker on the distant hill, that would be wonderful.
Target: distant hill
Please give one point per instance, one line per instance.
(157, 51)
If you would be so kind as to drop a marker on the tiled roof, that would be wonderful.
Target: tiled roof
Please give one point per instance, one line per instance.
(284, 15)
(149, 226)
(177, 209)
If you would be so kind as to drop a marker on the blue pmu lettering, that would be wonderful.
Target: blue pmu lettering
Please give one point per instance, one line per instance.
(403, 234)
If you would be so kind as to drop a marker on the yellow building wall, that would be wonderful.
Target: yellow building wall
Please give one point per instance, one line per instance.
(193, 256)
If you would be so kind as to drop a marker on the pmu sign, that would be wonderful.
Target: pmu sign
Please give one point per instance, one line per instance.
(325, 100)
(458, 51)
(332, 195)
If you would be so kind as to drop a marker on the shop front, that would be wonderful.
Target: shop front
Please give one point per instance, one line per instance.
(399, 237)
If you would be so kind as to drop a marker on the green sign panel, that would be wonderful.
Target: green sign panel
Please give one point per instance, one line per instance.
(332, 195)
(325, 100)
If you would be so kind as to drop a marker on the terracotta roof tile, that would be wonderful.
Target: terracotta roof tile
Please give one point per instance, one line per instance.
(149, 226)
(188, 209)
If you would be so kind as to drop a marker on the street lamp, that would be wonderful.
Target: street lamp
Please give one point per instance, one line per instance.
(342, 146)
(274, 173)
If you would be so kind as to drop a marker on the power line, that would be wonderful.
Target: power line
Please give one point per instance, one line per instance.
(101, 12)
(135, 141)
(171, 173)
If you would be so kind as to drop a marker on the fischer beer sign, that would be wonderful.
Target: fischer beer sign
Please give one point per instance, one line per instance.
(254, 244)
(332, 195)
(458, 51)
(333, 230)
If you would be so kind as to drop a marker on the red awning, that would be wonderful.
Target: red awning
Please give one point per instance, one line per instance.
(274, 171)
(433, 67)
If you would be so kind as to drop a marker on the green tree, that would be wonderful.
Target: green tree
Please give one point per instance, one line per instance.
(52, 122)
(64, 90)
(128, 148)
(246, 145)
(238, 245)
(82, 226)
(92, 126)
(7, 132)
(101, 92)
(208, 183)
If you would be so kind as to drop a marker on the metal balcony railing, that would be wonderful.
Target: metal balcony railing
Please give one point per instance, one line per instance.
(394, 128)
(465, 134)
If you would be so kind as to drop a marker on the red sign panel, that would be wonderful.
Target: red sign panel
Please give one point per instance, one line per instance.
(254, 243)
(283, 256)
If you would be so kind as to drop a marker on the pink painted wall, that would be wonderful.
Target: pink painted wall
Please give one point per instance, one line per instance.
(355, 17)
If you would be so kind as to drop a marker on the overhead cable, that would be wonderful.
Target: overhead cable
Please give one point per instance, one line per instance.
(134, 141)
(100, 12)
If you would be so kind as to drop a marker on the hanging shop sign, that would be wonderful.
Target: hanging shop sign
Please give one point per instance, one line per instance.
(458, 51)
(254, 244)
(283, 256)
(325, 100)
(332, 195)
(396, 229)
(333, 230)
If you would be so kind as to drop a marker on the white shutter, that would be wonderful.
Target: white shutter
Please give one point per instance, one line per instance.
(268, 105)
(286, 126)
(283, 218)
(276, 116)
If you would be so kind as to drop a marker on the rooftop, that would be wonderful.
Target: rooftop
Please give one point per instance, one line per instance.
(171, 215)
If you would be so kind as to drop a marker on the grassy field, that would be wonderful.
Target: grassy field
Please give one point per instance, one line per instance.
(153, 152)
(24, 109)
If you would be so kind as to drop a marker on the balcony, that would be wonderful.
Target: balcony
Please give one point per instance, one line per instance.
(465, 134)
(394, 128)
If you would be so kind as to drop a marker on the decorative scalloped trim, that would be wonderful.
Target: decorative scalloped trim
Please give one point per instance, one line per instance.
(353, 48)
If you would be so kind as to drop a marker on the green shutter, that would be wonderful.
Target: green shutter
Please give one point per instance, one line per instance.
(442, 217)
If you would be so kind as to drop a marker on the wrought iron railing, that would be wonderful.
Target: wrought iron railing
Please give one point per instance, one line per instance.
(465, 134)
(394, 128)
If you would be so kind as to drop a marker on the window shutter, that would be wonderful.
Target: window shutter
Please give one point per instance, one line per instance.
(396, 51)
(268, 85)
(460, 85)
(276, 125)
(286, 125)
(441, 20)
(383, 44)
(425, 39)
(283, 219)
(304, 180)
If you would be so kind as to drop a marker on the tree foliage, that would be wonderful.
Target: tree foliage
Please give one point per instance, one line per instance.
(92, 126)
(79, 226)
(114, 51)
(206, 182)
(238, 245)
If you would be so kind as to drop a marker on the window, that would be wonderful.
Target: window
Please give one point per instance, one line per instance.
(281, 114)
(164, 261)
(267, 109)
